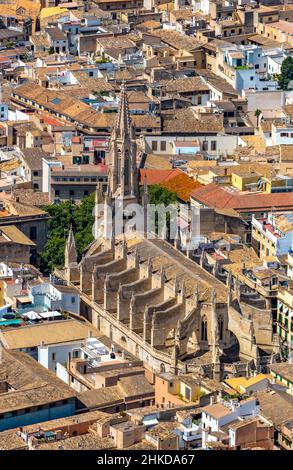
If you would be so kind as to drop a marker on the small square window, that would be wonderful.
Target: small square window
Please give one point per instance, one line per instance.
(205, 145)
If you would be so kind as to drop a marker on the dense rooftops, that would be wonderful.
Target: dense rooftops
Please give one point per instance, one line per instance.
(212, 195)
(32, 384)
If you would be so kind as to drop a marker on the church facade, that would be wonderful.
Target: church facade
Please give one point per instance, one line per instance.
(155, 301)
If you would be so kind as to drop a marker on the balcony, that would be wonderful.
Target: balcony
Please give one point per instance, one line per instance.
(266, 291)
(192, 433)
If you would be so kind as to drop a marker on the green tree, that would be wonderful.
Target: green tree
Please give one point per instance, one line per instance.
(160, 195)
(61, 217)
(9, 44)
(286, 74)
(257, 115)
(83, 223)
(102, 60)
(58, 227)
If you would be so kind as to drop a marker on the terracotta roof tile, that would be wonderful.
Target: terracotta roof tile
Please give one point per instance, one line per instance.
(158, 176)
(182, 185)
(212, 195)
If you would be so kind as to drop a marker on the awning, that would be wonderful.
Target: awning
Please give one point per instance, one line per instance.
(150, 422)
(52, 314)
(31, 315)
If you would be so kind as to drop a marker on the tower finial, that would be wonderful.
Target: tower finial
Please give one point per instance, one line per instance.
(70, 249)
(123, 122)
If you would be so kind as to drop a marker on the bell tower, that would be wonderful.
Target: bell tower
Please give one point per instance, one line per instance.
(123, 187)
(123, 174)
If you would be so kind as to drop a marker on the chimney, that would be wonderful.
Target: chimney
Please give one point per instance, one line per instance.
(212, 400)
(42, 344)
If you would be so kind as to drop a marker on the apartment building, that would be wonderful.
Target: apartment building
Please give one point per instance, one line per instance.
(218, 417)
(285, 320)
(272, 235)
(76, 182)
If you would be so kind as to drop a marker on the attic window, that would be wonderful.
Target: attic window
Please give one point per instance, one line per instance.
(56, 101)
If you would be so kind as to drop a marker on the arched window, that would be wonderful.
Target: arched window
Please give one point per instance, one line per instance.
(204, 329)
(162, 368)
(221, 328)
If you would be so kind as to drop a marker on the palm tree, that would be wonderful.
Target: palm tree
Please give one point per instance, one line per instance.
(258, 114)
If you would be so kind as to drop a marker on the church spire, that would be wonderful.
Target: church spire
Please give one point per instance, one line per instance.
(123, 123)
(123, 174)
